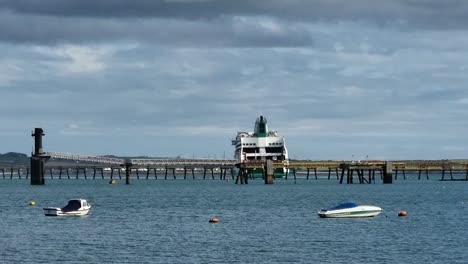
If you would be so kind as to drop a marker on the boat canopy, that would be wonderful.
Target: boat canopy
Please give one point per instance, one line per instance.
(72, 205)
(344, 206)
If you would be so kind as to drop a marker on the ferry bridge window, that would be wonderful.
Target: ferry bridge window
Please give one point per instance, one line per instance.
(274, 150)
(250, 150)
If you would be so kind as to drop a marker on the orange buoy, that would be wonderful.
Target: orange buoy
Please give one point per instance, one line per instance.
(214, 220)
(402, 213)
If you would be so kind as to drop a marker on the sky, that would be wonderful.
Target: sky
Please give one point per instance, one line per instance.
(338, 79)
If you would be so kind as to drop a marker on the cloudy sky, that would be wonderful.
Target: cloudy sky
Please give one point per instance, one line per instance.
(339, 79)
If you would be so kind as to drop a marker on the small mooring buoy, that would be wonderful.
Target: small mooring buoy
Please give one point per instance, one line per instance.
(402, 213)
(213, 220)
(112, 181)
(32, 203)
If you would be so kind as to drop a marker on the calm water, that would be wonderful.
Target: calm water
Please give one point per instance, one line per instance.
(166, 221)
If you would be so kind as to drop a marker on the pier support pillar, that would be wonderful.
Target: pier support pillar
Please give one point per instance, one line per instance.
(37, 171)
(128, 165)
(38, 159)
(269, 172)
(388, 173)
(242, 176)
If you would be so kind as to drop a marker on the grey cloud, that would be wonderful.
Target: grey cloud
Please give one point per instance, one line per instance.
(210, 23)
(223, 32)
(146, 87)
(433, 12)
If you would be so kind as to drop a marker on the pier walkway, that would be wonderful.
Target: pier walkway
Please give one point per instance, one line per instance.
(92, 167)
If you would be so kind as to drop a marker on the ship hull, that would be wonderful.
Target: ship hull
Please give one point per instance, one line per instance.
(278, 173)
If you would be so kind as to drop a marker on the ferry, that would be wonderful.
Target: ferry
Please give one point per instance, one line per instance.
(260, 145)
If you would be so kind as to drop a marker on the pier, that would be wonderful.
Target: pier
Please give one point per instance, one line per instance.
(54, 165)
(362, 171)
(344, 172)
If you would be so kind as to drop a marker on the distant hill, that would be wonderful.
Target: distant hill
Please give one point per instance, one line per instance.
(14, 158)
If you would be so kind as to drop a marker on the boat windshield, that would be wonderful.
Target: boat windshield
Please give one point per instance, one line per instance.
(72, 205)
(344, 206)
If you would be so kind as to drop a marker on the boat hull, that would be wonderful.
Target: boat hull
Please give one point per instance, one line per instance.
(51, 211)
(356, 212)
(75, 207)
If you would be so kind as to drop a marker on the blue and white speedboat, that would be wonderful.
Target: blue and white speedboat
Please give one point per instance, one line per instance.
(350, 210)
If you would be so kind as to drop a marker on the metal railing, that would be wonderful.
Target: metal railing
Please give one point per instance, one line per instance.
(139, 162)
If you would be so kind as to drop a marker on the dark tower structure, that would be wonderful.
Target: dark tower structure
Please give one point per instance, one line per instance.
(38, 158)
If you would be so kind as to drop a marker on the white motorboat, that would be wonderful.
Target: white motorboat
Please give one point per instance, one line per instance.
(75, 207)
(350, 210)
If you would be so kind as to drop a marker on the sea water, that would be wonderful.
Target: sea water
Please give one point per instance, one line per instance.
(166, 221)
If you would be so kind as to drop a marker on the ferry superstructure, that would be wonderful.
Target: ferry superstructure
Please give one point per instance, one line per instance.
(260, 145)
